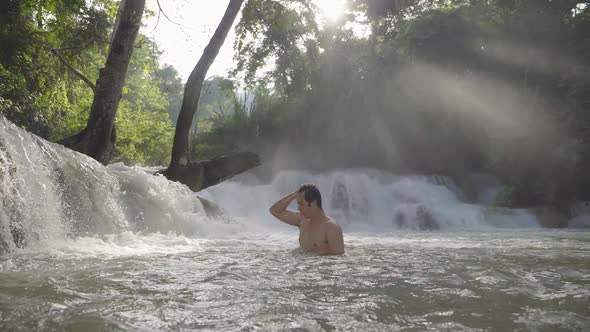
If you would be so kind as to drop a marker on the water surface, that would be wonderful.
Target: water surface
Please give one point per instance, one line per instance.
(519, 280)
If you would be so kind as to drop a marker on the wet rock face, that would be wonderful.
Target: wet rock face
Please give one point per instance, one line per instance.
(11, 232)
(580, 215)
(349, 202)
(360, 206)
(425, 220)
(550, 216)
(400, 220)
(212, 210)
(340, 199)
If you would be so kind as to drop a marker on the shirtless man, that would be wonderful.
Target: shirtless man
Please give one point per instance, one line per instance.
(318, 233)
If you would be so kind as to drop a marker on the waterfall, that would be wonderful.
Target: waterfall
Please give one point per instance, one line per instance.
(371, 200)
(50, 193)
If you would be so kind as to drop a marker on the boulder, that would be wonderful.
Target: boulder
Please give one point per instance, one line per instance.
(400, 220)
(425, 220)
(212, 210)
(550, 216)
(206, 173)
(340, 200)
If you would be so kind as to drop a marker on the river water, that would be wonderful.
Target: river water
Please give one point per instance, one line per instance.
(435, 281)
(85, 247)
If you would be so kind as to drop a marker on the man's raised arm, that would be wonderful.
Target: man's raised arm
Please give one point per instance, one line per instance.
(279, 210)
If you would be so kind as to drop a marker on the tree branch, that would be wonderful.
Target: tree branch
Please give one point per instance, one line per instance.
(162, 11)
(70, 67)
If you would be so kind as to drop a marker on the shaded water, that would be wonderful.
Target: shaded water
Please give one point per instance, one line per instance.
(417, 281)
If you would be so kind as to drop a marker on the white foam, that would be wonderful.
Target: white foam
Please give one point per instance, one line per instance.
(368, 200)
(115, 245)
(51, 195)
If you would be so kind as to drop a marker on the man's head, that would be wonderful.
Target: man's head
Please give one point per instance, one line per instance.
(309, 200)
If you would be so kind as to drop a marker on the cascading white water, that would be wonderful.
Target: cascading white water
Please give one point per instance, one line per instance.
(50, 193)
(370, 200)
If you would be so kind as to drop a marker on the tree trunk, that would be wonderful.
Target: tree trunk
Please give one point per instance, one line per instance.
(202, 174)
(97, 139)
(117, 20)
(192, 90)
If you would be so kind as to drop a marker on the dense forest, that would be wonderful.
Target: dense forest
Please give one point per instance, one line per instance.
(447, 87)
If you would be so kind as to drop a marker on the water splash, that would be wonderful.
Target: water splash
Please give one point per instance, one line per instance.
(371, 200)
(50, 193)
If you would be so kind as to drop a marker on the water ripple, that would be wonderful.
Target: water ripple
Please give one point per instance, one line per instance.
(459, 282)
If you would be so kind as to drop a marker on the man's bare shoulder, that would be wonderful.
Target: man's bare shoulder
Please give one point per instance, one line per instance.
(332, 224)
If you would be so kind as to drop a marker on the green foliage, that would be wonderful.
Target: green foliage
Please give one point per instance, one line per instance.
(171, 85)
(217, 98)
(438, 87)
(143, 137)
(40, 93)
(41, 90)
(244, 129)
(144, 129)
(284, 30)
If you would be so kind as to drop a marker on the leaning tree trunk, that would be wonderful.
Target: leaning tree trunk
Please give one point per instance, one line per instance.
(199, 175)
(97, 139)
(192, 88)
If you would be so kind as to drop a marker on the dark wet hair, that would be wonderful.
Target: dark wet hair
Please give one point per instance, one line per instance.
(311, 193)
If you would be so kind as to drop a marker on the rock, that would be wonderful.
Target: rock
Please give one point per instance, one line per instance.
(400, 220)
(425, 220)
(580, 209)
(491, 211)
(206, 173)
(449, 183)
(550, 216)
(340, 200)
(360, 206)
(212, 210)
(10, 204)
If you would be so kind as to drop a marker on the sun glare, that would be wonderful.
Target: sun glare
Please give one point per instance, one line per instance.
(331, 10)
